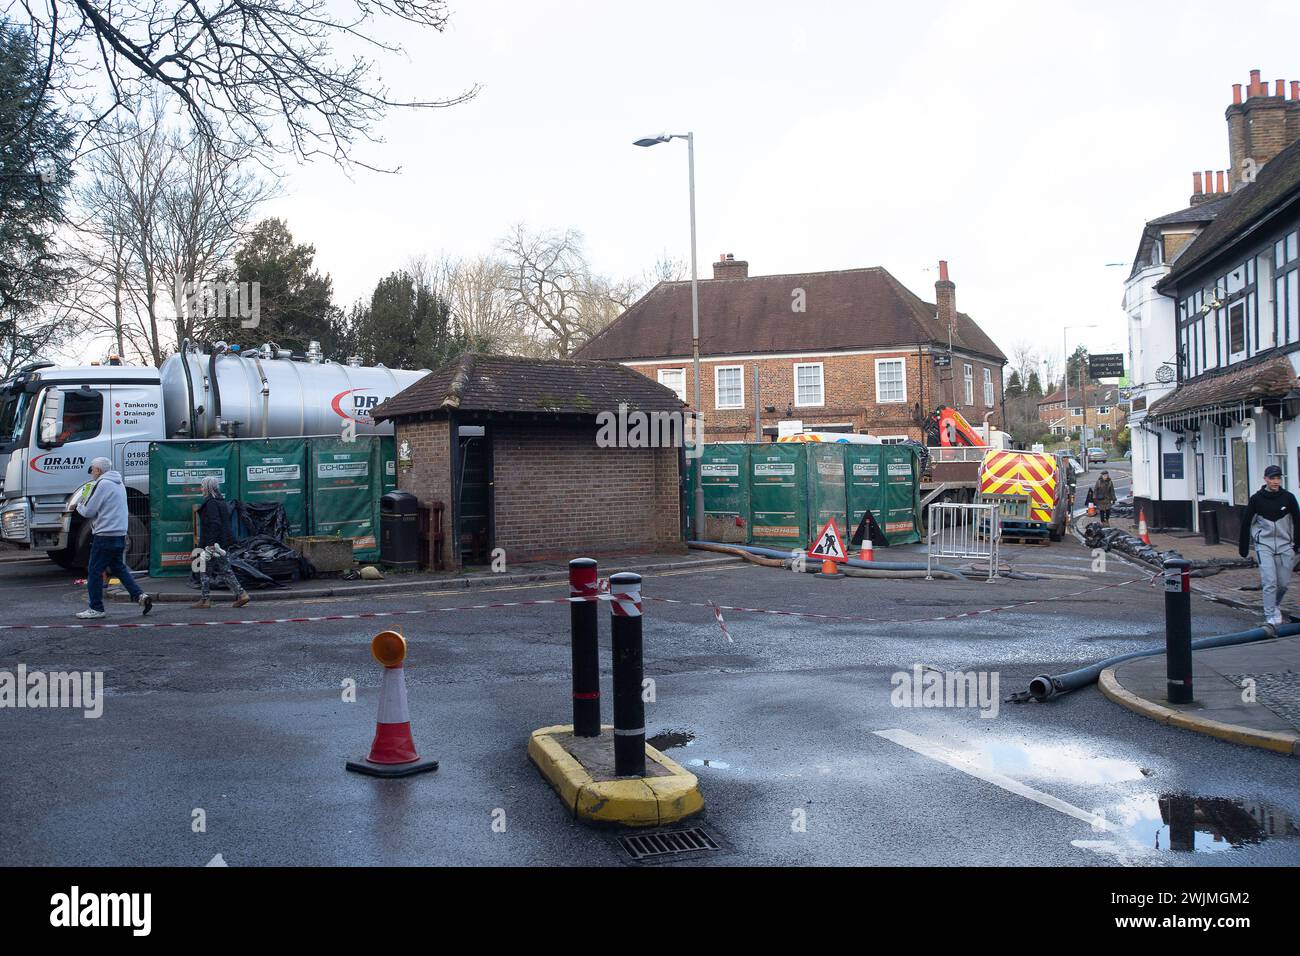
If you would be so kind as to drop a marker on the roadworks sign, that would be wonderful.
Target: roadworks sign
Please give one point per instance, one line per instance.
(829, 545)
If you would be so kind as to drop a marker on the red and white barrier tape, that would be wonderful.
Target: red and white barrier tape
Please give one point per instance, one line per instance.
(620, 599)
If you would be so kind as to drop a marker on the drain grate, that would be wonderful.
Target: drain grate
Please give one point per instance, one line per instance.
(667, 843)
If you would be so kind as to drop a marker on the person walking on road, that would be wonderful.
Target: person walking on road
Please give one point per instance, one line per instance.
(1270, 524)
(1103, 495)
(103, 501)
(214, 539)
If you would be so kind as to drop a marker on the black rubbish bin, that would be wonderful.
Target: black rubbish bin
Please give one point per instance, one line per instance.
(1210, 525)
(399, 530)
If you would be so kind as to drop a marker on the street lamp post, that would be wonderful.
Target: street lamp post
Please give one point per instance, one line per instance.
(695, 321)
(1083, 431)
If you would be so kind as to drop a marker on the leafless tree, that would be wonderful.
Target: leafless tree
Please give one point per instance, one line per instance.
(253, 75)
(159, 209)
(554, 297)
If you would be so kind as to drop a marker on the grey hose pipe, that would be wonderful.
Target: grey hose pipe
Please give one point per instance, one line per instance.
(852, 562)
(1045, 687)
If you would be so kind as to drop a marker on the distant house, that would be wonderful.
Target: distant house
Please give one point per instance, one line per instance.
(850, 351)
(1103, 411)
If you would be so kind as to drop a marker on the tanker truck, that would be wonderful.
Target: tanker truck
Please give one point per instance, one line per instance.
(55, 420)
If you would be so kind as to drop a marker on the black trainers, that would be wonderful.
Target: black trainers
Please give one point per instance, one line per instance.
(146, 602)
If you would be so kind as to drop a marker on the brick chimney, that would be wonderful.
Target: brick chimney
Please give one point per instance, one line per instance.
(729, 267)
(1217, 184)
(945, 298)
(1260, 125)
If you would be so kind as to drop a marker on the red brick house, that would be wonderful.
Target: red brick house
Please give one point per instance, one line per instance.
(851, 351)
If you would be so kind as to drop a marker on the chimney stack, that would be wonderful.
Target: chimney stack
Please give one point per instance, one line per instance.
(1260, 126)
(945, 298)
(729, 267)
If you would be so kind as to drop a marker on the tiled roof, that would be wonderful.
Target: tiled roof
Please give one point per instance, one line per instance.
(505, 383)
(1276, 185)
(1272, 377)
(1102, 395)
(849, 309)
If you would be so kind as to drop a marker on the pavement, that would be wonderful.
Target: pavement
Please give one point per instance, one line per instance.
(227, 733)
(1248, 694)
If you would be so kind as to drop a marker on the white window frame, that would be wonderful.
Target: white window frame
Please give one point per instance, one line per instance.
(821, 384)
(717, 392)
(902, 364)
(988, 388)
(1219, 455)
(968, 380)
(893, 439)
(681, 372)
(1275, 451)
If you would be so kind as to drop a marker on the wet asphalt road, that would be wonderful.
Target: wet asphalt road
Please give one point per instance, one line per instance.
(246, 722)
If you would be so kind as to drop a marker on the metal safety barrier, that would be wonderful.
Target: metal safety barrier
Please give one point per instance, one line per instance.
(963, 531)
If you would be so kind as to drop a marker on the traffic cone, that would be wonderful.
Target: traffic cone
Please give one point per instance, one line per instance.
(1142, 527)
(392, 754)
(829, 570)
(868, 550)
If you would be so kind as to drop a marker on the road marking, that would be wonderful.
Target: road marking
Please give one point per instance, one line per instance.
(935, 752)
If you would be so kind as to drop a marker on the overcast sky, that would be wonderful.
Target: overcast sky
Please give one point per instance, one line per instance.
(1026, 143)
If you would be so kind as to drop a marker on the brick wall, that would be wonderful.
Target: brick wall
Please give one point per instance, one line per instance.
(849, 393)
(429, 475)
(558, 495)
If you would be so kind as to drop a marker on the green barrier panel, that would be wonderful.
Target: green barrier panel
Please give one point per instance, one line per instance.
(778, 495)
(176, 472)
(866, 486)
(275, 469)
(725, 470)
(827, 488)
(901, 521)
(171, 548)
(344, 492)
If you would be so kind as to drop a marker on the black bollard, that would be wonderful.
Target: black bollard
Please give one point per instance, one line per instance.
(583, 592)
(629, 708)
(1178, 630)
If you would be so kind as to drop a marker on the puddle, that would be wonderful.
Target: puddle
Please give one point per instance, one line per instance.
(714, 764)
(1053, 762)
(668, 739)
(1186, 823)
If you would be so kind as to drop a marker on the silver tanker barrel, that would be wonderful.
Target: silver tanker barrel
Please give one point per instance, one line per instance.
(255, 395)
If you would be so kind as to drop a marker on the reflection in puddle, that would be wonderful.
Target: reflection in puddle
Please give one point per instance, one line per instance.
(1053, 762)
(715, 764)
(1189, 824)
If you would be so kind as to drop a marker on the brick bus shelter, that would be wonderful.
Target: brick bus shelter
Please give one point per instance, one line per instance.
(510, 447)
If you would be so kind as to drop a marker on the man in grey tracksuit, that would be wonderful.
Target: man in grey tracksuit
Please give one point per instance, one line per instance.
(103, 502)
(1270, 523)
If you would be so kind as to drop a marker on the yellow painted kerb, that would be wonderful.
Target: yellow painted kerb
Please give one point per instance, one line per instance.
(637, 802)
(1246, 736)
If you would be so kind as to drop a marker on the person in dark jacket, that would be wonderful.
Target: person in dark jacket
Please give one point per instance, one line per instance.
(1103, 493)
(210, 548)
(1270, 524)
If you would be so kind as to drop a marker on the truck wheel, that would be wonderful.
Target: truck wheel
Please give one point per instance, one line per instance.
(76, 556)
(137, 533)
(1055, 533)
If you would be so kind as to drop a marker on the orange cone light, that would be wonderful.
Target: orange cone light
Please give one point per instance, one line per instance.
(392, 753)
(1142, 527)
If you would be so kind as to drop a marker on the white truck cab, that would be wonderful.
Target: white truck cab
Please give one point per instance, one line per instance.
(53, 423)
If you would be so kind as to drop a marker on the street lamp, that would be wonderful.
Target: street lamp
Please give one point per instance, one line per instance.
(695, 320)
(1083, 432)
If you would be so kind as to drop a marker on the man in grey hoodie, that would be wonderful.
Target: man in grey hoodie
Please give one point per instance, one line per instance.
(1270, 524)
(103, 501)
